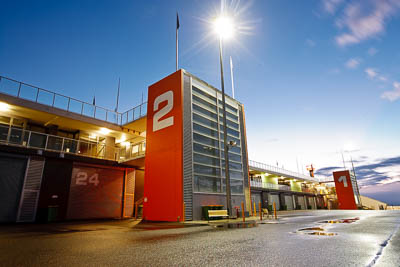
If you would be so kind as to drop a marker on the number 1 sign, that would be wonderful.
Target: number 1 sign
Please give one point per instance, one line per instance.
(344, 190)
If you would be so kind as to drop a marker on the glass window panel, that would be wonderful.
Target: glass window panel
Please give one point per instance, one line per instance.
(37, 140)
(235, 149)
(228, 107)
(3, 133)
(197, 90)
(205, 160)
(54, 143)
(70, 145)
(200, 169)
(232, 165)
(200, 101)
(206, 150)
(16, 135)
(207, 122)
(232, 156)
(205, 140)
(233, 174)
(204, 130)
(229, 123)
(230, 138)
(230, 131)
(207, 184)
(236, 186)
(228, 115)
(205, 112)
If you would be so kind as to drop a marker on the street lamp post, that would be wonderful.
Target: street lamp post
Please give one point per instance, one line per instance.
(224, 28)
(226, 145)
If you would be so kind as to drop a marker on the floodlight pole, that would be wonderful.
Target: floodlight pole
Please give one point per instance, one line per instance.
(226, 145)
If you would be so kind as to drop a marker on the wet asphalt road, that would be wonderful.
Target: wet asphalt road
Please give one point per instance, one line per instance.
(373, 240)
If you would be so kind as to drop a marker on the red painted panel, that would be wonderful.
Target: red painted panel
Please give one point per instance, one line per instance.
(163, 181)
(344, 190)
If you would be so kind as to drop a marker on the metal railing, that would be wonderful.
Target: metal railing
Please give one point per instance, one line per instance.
(260, 184)
(49, 98)
(15, 136)
(132, 151)
(133, 114)
(282, 172)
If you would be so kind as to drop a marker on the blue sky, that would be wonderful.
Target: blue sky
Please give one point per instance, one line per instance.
(316, 77)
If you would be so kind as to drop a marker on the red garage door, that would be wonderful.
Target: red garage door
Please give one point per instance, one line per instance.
(95, 192)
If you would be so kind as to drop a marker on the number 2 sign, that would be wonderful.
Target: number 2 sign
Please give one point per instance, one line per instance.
(159, 113)
(163, 181)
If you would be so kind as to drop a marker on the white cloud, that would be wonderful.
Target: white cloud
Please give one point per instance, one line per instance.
(331, 6)
(392, 173)
(394, 94)
(353, 63)
(372, 73)
(372, 51)
(310, 43)
(364, 20)
(382, 78)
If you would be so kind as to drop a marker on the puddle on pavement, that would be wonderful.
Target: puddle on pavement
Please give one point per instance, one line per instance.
(236, 225)
(322, 233)
(314, 231)
(164, 226)
(342, 220)
(66, 231)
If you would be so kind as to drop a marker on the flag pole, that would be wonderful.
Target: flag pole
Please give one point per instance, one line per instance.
(116, 108)
(177, 27)
(233, 87)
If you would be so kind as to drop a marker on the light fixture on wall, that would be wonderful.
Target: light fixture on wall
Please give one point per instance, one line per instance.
(4, 106)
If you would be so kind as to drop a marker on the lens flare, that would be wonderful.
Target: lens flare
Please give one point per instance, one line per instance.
(224, 27)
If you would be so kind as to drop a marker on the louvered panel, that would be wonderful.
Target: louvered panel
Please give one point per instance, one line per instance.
(187, 149)
(28, 207)
(31, 190)
(129, 193)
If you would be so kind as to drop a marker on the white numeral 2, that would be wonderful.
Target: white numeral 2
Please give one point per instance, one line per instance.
(343, 180)
(157, 124)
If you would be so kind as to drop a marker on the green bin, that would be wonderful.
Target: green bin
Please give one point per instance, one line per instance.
(52, 212)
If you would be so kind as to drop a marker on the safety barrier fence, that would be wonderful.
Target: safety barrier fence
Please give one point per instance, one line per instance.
(15, 136)
(49, 98)
(278, 170)
(259, 184)
(285, 173)
(269, 185)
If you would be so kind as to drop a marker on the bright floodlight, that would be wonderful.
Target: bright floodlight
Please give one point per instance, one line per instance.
(224, 27)
(4, 106)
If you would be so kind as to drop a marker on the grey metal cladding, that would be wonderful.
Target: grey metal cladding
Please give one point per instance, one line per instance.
(244, 148)
(187, 148)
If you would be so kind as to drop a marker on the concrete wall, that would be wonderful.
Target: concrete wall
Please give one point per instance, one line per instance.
(372, 203)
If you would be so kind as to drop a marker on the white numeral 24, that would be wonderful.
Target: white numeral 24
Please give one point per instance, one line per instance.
(81, 179)
(161, 124)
